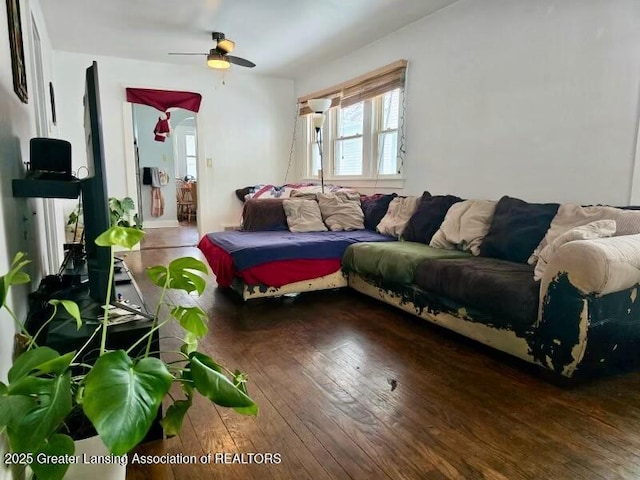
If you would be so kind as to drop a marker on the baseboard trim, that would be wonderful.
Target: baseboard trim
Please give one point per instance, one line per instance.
(161, 224)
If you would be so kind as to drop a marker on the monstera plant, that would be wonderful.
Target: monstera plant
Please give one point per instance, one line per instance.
(119, 393)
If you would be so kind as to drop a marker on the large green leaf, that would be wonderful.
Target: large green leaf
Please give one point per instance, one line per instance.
(172, 421)
(29, 361)
(218, 388)
(127, 204)
(53, 404)
(71, 308)
(121, 398)
(185, 273)
(57, 365)
(190, 344)
(13, 407)
(15, 276)
(120, 236)
(56, 446)
(192, 319)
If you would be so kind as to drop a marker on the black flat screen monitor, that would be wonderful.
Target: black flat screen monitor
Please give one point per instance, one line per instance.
(95, 199)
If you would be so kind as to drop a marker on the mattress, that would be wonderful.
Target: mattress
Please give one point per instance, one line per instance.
(278, 258)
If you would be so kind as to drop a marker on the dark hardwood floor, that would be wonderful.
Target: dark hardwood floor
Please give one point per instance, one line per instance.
(351, 388)
(186, 235)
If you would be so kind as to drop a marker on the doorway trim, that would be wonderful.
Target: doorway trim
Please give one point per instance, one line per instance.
(130, 161)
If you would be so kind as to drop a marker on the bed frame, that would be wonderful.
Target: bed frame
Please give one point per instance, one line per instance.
(336, 279)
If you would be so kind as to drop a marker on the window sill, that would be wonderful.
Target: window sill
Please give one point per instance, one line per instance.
(360, 182)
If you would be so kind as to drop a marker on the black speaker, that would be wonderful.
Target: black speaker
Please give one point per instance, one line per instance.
(50, 155)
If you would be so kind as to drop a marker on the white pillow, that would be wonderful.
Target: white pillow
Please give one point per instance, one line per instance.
(303, 215)
(598, 229)
(341, 211)
(465, 225)
(398, 214)
(571, 215)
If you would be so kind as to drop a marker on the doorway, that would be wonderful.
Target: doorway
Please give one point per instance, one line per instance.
(166, 177)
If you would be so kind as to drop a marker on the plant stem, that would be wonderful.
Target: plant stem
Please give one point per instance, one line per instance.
(19, 325)
(148, 334)
(156, 315)
(86, 344)
(107, 303)
(32, 343)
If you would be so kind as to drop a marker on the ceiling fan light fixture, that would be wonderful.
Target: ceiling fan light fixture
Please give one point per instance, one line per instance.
(226, 45)
(215, 60)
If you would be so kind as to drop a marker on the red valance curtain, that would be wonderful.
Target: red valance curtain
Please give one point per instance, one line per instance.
(163, 100)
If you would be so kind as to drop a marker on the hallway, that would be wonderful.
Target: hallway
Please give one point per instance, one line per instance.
(186, 235)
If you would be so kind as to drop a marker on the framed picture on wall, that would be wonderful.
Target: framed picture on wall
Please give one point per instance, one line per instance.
(17, 50)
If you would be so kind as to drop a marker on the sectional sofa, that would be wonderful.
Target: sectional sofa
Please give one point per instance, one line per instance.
(555, 285)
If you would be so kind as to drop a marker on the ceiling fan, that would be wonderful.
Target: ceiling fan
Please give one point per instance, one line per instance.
(218, 56)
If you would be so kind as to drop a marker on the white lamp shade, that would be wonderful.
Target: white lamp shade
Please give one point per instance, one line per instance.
(318, 120)
(319, 105)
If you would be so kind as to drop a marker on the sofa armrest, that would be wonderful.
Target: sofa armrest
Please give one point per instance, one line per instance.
(598, 266)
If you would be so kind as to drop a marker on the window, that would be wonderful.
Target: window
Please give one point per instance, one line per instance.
(190, 154)
(185, 151)
(359, 141)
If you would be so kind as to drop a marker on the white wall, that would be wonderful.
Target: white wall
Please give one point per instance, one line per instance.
(245, 126)
(533, 99)
(20, 228)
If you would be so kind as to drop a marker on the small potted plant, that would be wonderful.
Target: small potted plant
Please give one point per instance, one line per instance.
(121, 212)
(119, 394)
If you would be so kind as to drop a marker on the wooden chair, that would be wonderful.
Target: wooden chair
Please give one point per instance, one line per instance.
(187, 201)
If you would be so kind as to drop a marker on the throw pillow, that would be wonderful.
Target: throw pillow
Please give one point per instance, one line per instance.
(374, 208)
(517, 227)
(398, 214)
(465, 226)
(571, 215)
(341, 211)
(303, 215)
(598, 229)
(308, 194)
(264, 214)
(428, 217)
(242, 193)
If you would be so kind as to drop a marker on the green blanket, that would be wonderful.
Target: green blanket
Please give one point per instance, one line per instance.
(396, 262)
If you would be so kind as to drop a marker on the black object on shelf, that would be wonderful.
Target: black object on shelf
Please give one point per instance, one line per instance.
(37, 188)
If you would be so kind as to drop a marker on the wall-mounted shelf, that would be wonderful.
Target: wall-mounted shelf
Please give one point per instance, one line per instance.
(31, 188)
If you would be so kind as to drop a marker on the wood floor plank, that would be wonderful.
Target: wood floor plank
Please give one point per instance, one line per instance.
(321, 367)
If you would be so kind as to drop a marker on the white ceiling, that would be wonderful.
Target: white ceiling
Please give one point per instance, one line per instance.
(282, 37)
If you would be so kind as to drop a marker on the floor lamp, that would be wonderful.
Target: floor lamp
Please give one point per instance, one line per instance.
(319, 107)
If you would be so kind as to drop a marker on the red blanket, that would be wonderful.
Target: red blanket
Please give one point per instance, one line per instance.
(274, 274)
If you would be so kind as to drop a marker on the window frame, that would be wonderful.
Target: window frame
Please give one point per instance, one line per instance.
(371, 131)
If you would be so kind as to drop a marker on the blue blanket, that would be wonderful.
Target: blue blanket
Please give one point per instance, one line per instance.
(249, 249)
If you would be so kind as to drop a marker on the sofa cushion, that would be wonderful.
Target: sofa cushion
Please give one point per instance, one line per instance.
(264, 215)
(590, 231)
(465, 226)
(341, 211)
(398, 214)
(395, 262)
(571, 215)
(516, 229)
(504, 290)
(374, 208)
(303, 215)
(428, 217)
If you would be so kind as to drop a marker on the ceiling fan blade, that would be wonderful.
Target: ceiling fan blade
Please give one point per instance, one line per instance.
(180, 53)
(240, 61)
